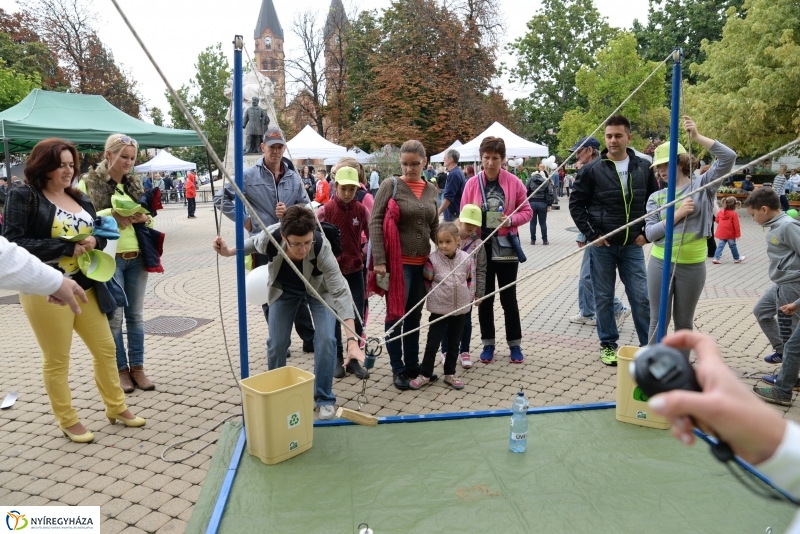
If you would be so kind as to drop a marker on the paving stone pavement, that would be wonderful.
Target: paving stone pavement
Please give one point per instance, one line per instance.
(122, 471)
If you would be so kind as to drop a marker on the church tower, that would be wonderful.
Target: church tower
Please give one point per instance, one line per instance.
(335, 72)
(269, 54)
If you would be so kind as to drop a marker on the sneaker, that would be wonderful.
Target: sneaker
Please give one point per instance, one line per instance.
(327, 411)
(580, 319)
(740, 260)
(453, 382)
(516, 354)
(466, 360)
(419, 382)
(487, 354)
(533, 241)
(774, 358)
(400, 381)
(773, 379)
(622, 315)
(771, 395)
(608, 355)
(716, 261)
(545, 242)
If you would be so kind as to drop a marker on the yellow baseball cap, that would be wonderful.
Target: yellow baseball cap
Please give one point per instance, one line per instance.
(347, 176)
(471, 214)
(97, 265)
(661, 155)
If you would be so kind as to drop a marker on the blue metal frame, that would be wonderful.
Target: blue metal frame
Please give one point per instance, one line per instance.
(663, 320)
(227, 484)
(238, 162)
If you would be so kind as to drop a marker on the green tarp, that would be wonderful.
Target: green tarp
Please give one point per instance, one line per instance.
(85, 120)
(582, 472)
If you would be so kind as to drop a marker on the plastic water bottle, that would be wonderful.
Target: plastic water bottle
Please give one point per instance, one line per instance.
(519, 423)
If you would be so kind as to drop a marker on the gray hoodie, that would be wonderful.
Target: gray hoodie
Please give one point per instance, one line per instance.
(783, 249)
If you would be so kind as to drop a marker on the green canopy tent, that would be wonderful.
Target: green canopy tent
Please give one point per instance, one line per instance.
(85, 120)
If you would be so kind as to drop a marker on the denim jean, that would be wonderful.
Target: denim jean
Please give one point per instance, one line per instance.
(605, 262)
(281, 317)
(466, 335)
(506, 273)
(132, 277)
(586, 290)
(790, 368)
(776, 325)
(404, 353)
(721, 246)
(540, 213)
(784, 202)
(356, 283)
(302, 320)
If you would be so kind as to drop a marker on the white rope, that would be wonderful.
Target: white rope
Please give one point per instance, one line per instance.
(545, 183)
(613, 232)
(179, 102)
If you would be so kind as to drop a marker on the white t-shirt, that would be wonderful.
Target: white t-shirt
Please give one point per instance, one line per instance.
(622, 170)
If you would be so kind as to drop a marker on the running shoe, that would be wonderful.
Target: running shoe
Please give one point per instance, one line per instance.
(516, 354)
(773, 379)
(774, 358)
(740, 260)
(487, 354)
(622, 315)
(608, 355)
(466, 360)
(580, 319)
(771, 395)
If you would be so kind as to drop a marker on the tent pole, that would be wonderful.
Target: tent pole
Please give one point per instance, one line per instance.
(8, 159)
(238, 161)
(672, 175)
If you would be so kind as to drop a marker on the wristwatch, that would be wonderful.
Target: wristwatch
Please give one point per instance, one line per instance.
(352, 338)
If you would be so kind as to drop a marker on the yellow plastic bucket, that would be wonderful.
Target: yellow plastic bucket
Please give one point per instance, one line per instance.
(631, 401)
(279, 413)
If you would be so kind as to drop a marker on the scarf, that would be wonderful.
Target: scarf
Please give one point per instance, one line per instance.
(396, 302)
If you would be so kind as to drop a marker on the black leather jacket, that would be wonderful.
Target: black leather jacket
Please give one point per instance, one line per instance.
(545, 194)
(28, 222)
(597, 203)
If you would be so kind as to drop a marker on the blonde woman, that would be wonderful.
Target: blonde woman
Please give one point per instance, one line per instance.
(38, 217)
(112, 178)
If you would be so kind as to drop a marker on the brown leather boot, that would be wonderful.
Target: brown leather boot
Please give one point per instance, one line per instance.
(125, 381)
(142, 382)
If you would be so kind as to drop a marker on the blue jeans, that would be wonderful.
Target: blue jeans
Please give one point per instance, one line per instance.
(540, 213)
(629, 260)
(586, 290)
(281, 317)
(721, 246)
(790, 368)
(404, 353)
(132, 277)
(466, 335)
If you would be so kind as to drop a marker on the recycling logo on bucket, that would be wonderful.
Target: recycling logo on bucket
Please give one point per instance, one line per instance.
(293, 420)
(293, 445)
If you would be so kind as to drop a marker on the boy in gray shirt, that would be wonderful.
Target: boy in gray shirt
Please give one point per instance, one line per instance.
(783, 251)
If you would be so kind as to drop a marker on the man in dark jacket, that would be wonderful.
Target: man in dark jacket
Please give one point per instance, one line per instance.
(452, 186)
(609, 192)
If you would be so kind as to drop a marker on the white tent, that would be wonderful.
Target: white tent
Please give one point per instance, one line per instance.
(642, 155)
(439, 158)
(308, 144)
(516, 146)
(165, 161)
(355, 152)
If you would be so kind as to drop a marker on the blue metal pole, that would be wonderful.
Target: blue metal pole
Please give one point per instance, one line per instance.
(677, 57)
(238, 171)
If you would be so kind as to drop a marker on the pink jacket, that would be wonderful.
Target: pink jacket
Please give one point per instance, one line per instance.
(458, 289)
(516, 195)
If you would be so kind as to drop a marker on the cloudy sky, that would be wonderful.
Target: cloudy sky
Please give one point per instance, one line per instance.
(176, 31)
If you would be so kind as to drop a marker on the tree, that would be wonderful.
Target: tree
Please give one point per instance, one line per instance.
(157, 116)
(67, 27)
(416, 72)
(306, 71)
(684, 24)
(747, 94)
(562, 37)
(204, 97)
(15, 86)
(24, 52)
(619, 71)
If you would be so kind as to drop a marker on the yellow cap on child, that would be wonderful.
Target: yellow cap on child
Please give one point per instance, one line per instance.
(347, 176)
(471, 214)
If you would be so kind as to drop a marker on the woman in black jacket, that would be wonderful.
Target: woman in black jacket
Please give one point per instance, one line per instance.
(40, 218)
(540, 203)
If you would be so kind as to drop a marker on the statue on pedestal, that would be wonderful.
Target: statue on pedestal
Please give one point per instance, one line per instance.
(256, 123)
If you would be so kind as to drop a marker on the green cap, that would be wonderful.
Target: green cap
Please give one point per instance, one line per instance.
(347, 176)
(661, 155)
(127, 208)
(97, 265)
(471, 214)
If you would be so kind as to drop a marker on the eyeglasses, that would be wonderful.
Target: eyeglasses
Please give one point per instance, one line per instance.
(125, 140)
(296, 246)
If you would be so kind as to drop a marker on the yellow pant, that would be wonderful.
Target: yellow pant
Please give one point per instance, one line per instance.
(53, 326)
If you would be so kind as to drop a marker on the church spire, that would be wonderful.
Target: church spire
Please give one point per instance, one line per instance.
(268, 18)
(336, 19)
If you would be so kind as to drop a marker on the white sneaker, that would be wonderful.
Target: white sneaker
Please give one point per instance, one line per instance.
(622, 315)
(740, 260)
(327, 411)
(466, 360)
(580, 319)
